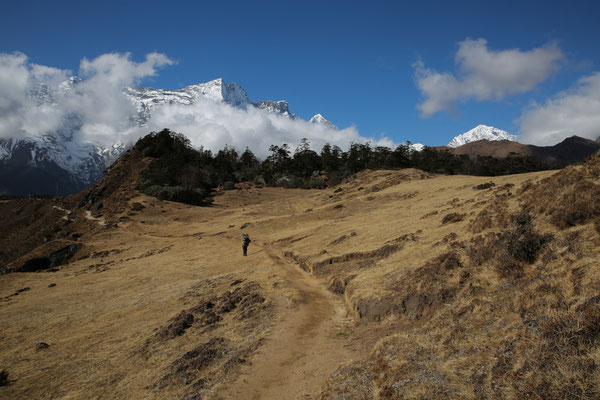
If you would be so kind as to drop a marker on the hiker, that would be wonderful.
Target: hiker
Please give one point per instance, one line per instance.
(245, 242)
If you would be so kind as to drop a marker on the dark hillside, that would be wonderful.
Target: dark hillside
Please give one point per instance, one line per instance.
(36, 231)
(20, 177)
(571, 150)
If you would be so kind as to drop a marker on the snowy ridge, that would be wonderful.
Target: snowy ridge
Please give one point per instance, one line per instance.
(319, 119)
(481, 132)
(277, 107)
(146, 99)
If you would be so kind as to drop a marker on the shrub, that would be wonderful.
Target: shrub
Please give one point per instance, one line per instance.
(178, 194)
(3, 378)
(229, 185)
(259, 180)
(483, 186)
(512, 248)
(452, 218)
(578, 205)
(482, 221)
(523, 243)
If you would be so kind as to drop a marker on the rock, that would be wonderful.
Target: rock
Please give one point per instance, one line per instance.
(54, 259)
(4, 378)
(52, 285)
(41, 345)
(137, 206)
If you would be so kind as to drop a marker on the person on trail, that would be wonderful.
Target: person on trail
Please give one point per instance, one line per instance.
(245, 242)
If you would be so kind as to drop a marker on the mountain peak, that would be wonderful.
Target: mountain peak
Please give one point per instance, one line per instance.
(481, 132)
(320, 119)
(220, 91)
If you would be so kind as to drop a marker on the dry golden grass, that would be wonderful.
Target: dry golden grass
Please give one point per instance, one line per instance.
(498, 303)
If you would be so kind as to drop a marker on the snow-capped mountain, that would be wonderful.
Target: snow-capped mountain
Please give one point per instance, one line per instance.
(48, 165)
(277, 107)
(82, 163)
(481, 132)
(319, 119)
(146, 99)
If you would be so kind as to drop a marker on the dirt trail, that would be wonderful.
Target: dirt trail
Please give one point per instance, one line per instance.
(88, 215)
(304, 348)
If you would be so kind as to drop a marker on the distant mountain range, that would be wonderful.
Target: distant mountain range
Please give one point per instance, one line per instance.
(481, 132)
(58, 165)
(146, 99)
(486, 140)
(569, 151)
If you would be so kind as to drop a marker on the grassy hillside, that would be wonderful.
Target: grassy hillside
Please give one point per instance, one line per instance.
(393, 284)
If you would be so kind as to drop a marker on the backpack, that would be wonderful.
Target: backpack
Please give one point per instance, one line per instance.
(245, 238)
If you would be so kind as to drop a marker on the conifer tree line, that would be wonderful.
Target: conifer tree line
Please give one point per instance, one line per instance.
(179, 172)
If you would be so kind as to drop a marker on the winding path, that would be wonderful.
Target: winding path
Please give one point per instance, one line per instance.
(304, 349)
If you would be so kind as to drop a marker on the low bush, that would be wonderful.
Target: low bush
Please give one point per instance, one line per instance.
(229, 185)
(178, 194)
(484, 186)
(452, 218)
(3, 378)
(577, 205)
(510, 249)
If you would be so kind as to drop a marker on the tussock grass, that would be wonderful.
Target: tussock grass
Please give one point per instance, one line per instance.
(520, 315)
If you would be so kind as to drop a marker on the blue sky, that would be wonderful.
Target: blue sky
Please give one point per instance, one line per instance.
(353, 62)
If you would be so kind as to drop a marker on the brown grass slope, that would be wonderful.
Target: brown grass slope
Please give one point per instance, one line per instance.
(509, 310)
(501, 148)
(453, 288)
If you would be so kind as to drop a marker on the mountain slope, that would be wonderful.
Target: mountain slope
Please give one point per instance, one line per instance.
(454, 286)
(569, 151)
(50, 165)
(174, 272)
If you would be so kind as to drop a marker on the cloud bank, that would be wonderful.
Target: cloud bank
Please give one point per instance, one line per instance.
(572, 112)
(484, 74)
(101, 113)
(37, 100)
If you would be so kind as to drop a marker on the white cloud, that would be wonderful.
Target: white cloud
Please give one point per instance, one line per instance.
(572, 112)
(484, 74)
(102, 112)
(97, 103)
(14, 82)
(215, 125)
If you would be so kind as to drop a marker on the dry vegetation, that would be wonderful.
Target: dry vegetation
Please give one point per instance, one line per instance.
(451, 293)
